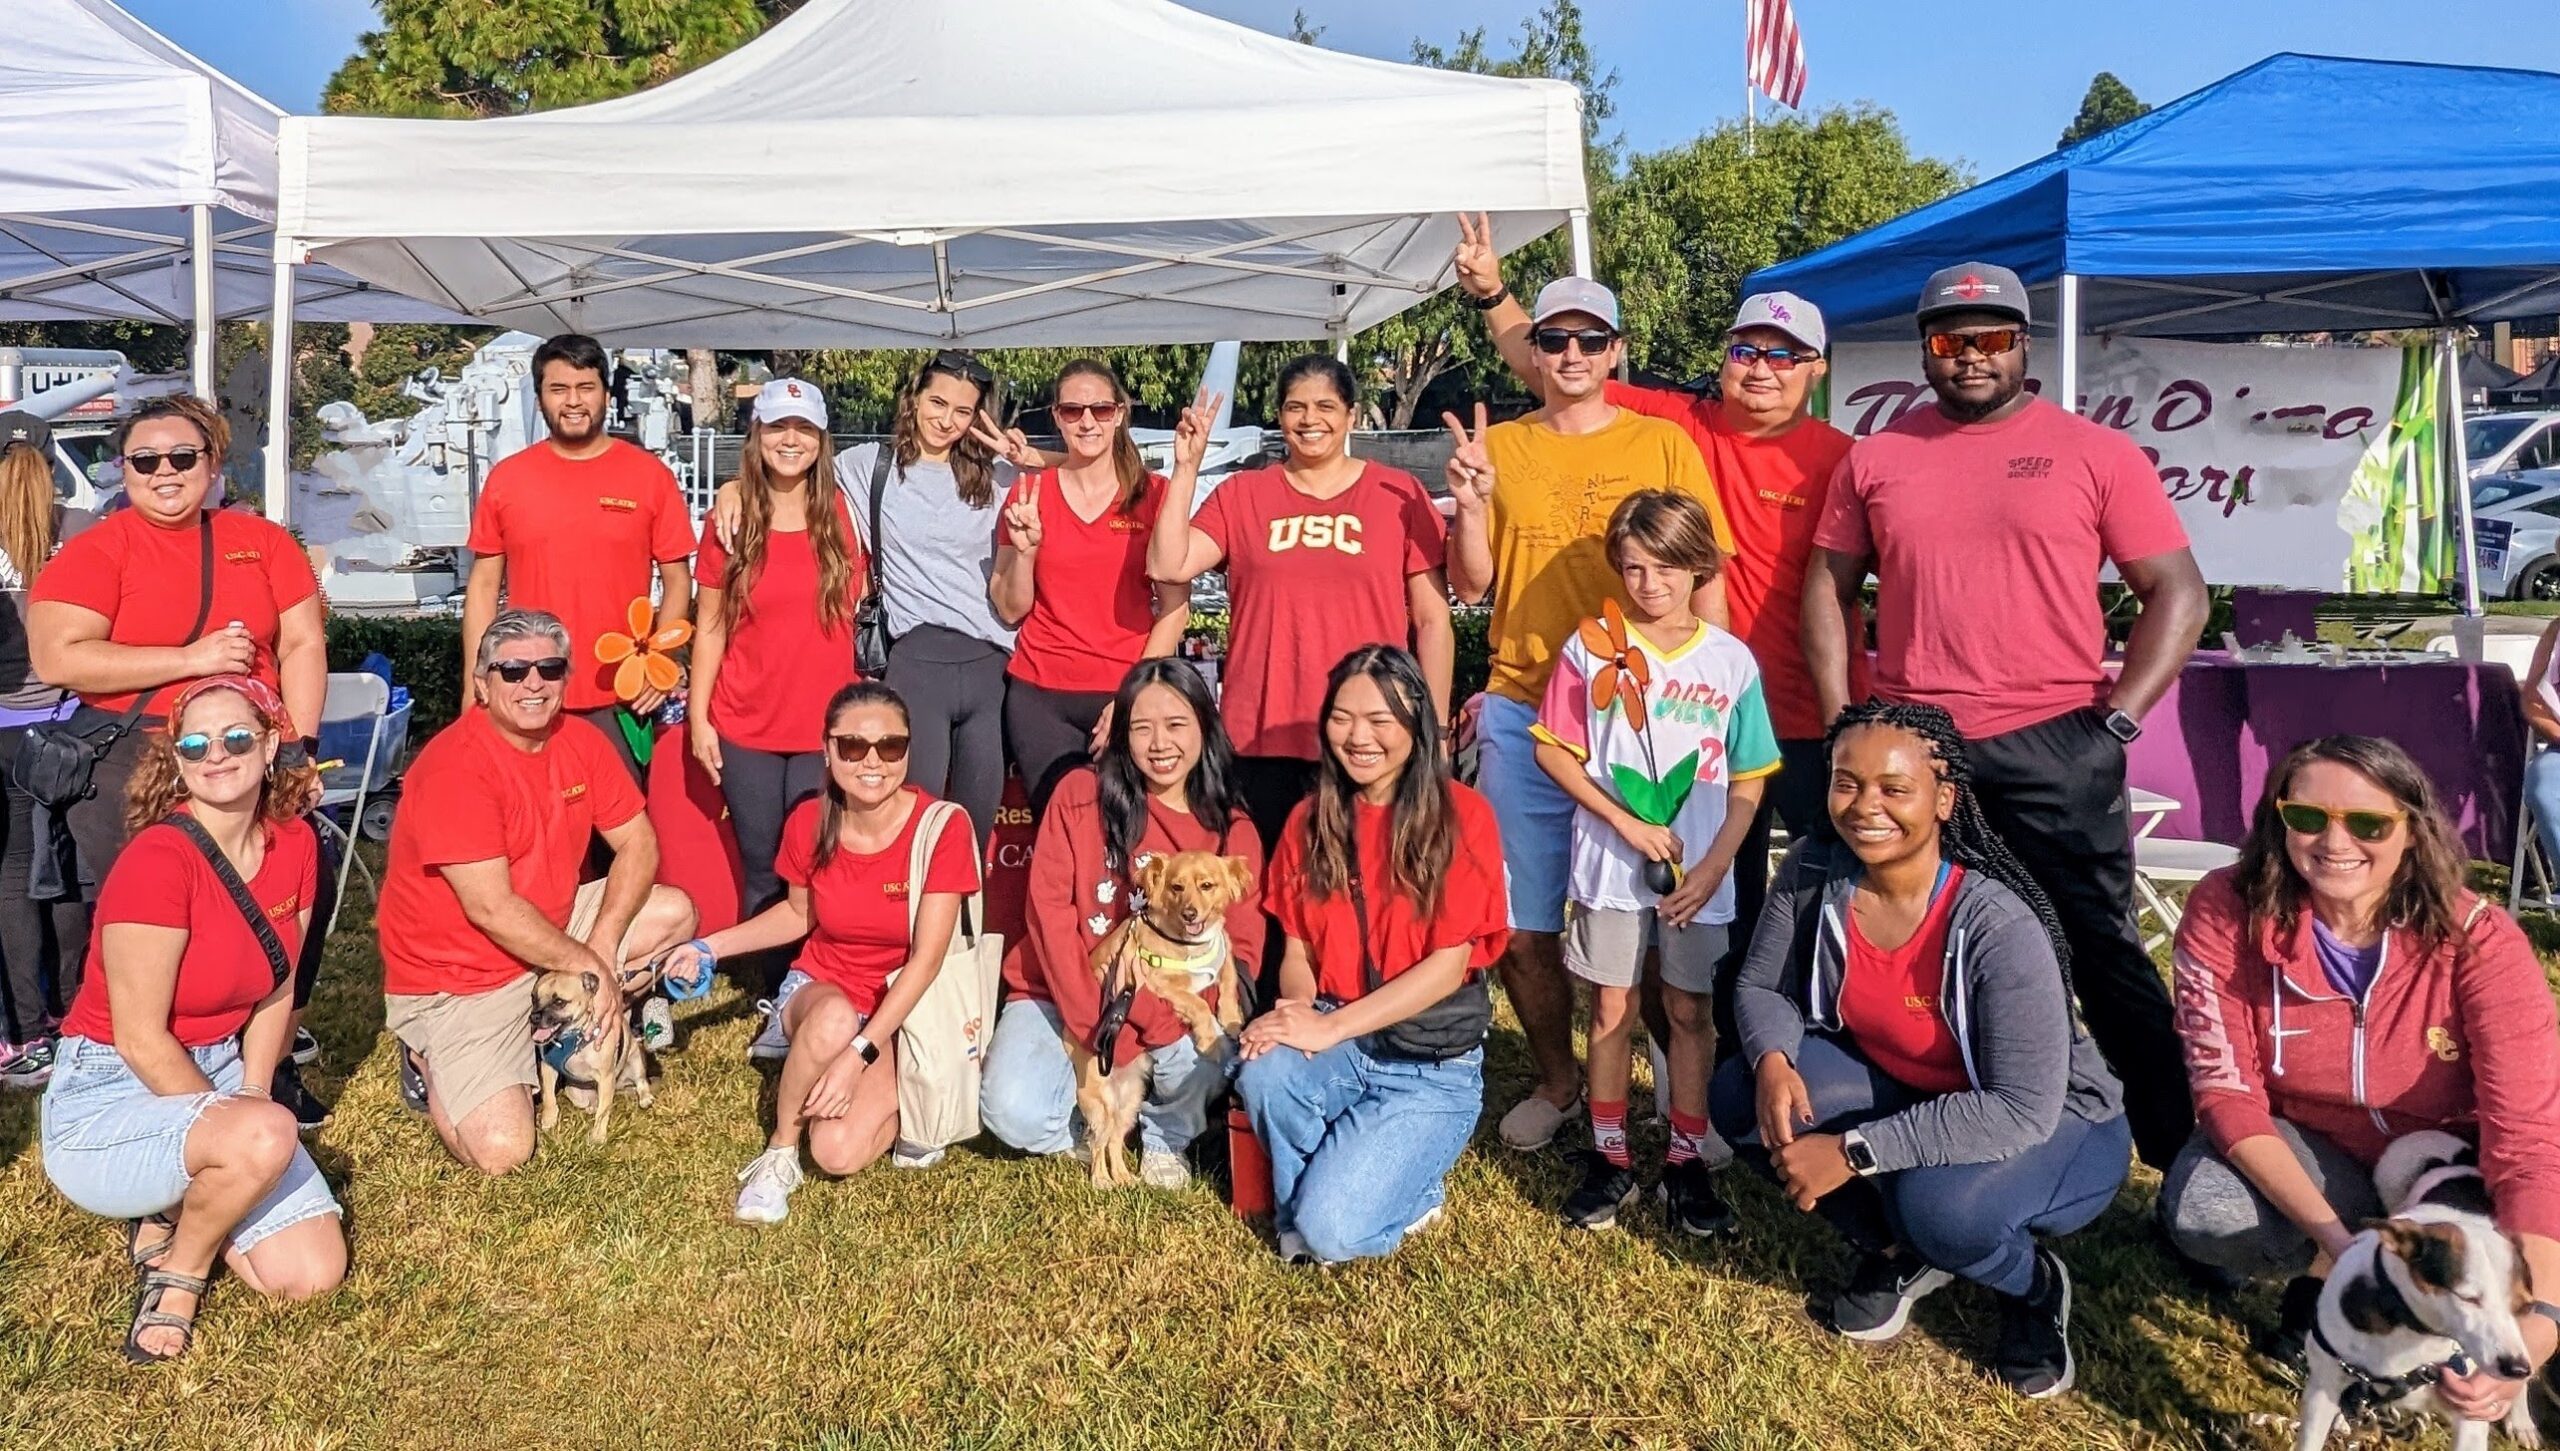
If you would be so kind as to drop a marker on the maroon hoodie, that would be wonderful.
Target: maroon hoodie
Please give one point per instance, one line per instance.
(2463, 1038)
(1072, 903)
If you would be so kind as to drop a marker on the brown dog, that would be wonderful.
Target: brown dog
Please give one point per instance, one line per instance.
(571, 1049)
(1173, 949)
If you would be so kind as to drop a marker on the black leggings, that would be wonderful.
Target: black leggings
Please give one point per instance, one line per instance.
(1272, 787)
(954, 688)
(761, 787)
(40, 940)
(1049, 733)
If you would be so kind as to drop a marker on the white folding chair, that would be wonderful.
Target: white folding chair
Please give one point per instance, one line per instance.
(354, 696)
(2162, 861)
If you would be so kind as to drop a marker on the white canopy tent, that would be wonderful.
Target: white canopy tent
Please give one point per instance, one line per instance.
(982, 173)
(136, 182)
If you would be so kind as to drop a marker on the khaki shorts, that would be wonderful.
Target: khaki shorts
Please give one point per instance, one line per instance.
(1606, 945)
(478, 1045)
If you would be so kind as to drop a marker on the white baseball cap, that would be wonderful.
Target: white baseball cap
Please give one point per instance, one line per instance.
(1786, 312)
(1575, 294)
(791, 398)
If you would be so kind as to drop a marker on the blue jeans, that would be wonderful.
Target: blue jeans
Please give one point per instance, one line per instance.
(1360, 1145)
(1975, 1221)
(1530, 810)
(2542, 792)
(1027, 1093)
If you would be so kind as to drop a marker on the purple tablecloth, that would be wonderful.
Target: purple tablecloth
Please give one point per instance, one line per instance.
(2211, 741)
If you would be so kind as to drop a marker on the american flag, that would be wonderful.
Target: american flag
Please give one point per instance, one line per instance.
(1773, 50)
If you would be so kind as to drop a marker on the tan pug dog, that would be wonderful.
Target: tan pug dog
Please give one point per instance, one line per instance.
(593, 1061)
(1174, 949)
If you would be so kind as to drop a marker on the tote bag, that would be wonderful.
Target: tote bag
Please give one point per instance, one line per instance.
(942, 1046)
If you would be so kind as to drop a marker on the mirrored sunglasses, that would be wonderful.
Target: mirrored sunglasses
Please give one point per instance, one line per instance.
(1780, 360)
(194, 746)
(1990, 342)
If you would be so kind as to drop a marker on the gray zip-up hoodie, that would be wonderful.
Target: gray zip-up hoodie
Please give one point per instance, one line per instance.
(2024, 1053)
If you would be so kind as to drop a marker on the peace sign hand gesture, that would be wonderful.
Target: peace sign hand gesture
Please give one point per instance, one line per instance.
(1479, 266)
(1191, 431)
(1022, 524)
(1009, 444)
(1470, 467)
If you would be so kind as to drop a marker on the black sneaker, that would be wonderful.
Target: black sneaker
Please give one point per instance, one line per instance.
(413, 1083)
(1606, 1189)
(308, 1112)
(306, 1049)
(2034, 1356)
(28, 1067)
(2288, 1343)
(1877, 1302)
(1690, 1200)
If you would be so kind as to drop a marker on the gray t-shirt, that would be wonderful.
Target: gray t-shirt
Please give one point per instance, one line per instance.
(19, 688)
(940, 553)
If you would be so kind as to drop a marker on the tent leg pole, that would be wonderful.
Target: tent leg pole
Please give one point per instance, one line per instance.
(2070, 338)
(200, 249)
(279, 480)
(2458, 470)
(1580, 225)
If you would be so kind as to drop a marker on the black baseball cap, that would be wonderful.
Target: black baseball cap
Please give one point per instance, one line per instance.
(1973, 287)
(18, 426)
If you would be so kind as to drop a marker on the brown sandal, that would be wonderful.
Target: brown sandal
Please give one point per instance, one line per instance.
(140, 1255)
(147, 1315)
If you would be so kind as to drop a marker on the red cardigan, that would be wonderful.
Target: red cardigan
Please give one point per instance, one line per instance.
(1067, 915)
(2463, 1038)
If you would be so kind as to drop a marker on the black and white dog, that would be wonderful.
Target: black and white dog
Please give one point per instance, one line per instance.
(2437, 1284)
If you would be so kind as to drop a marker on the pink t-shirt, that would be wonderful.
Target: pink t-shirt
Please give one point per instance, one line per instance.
(1987, 540)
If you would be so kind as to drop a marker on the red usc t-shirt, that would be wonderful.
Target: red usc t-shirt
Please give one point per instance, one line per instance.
(1091, 604)
(1311, 580)
(1473, 906)
(582, 539)
(1773, 490)
(1889, 1001)
(858, 901)
(163, 880)
(146, 580)
(471, 797)
(783, 663)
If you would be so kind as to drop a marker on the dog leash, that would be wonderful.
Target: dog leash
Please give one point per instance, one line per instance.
(2367, 1392)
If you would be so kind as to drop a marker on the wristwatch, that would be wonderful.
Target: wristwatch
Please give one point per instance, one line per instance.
(869, 1050)
(2123, 727)
(1854, 1148)
(1487, 304)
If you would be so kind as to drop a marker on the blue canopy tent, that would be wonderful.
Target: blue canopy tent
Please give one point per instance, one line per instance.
(2304, 194)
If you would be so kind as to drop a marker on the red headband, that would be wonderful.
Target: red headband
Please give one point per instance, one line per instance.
(261, 696)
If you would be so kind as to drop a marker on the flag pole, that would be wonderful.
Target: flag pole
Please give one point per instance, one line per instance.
(1750, 98)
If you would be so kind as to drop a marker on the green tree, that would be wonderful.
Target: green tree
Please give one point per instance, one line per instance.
(474, 58)
(2109, 104)
(1682, 228)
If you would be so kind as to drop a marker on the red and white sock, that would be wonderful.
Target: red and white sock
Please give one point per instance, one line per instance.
(1609, 1131)
(1693, 1138)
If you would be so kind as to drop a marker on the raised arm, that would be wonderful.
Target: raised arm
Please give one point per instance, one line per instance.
(1179, 552)
(1506, 322)
(1010, 588)
(1470, 476)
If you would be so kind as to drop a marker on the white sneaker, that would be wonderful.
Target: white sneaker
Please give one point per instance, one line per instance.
(1161, 1169)
(904, 1155)
(1293, 1248)
(1430, 1220)
(771, 1045)
(766, 1199)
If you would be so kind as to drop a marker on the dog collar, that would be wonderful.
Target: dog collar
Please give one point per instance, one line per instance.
(2368, 1391)
(1200, 960)
(561, 1049)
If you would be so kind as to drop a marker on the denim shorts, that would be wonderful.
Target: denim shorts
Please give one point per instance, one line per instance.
(1531, 810)
(113, 1147)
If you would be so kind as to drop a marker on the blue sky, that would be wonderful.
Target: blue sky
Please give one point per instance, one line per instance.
(1992, 83)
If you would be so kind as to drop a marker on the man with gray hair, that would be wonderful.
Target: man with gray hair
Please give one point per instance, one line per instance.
(482, 890)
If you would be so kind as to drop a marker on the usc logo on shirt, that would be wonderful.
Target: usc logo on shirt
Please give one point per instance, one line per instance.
(619, 506)
(894, 891)
(574, 791)
(242, 556)
(285, 909)
(1340, 532)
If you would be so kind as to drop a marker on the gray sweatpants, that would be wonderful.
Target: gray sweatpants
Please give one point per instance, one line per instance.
(2216, 1216)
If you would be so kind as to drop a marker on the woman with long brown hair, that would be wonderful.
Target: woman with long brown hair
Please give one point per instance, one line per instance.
(1071, 576)
(1365, 1081)
(2341, 986)
(161, 1107)
(773, 627)
(42, 938)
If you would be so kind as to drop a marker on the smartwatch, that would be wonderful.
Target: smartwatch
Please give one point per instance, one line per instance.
(869, 1050)
(302, 752)
(2123, 727)
(1488, 304)
(1862, 1159)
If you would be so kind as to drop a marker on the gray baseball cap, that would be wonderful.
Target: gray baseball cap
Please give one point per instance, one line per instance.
(1787, 313)
(1974, 287)
(1575, 294)
(24, 428)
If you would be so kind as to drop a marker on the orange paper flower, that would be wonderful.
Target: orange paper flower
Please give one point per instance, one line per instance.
(646, 661)
(1624, 671)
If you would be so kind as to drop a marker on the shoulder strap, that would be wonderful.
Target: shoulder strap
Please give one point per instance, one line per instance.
(880, 461)
(920, 861)
(1370, 978)
(278, 962)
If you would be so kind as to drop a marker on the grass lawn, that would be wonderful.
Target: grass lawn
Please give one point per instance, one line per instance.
(602, 1298)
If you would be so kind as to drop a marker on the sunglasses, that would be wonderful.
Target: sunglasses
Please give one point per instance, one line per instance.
(1552, 341)
(2304, 819)
(196, 745)
(851, 750)
(549, 667)
(1102, 413)
(964, 365)
(1780, 360)
(178, 460)
(1990, 342)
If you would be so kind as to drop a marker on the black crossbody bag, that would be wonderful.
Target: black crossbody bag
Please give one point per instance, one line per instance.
(278, 962)
(59, 763)
(871, 613)
(1450, 1028)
